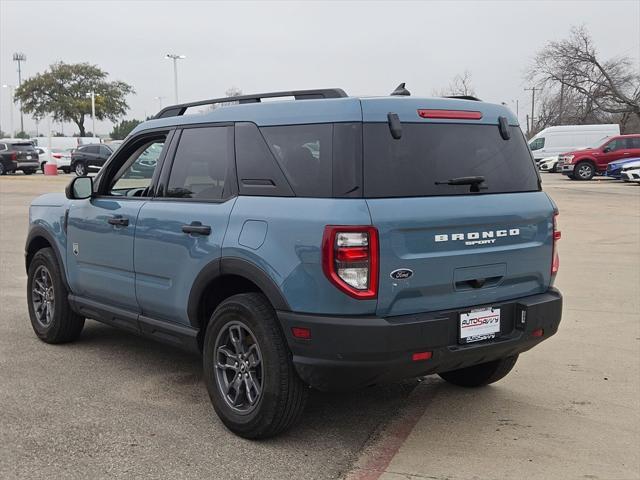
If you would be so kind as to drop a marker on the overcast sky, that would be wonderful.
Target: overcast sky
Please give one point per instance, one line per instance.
(362, 47)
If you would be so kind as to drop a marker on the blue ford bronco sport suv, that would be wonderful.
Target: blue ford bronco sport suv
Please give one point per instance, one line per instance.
(322, 241)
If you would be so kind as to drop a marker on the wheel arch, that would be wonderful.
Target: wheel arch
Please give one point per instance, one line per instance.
(224, 277)
(37, 239)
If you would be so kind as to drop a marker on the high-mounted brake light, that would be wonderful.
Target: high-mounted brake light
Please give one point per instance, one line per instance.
(555, 262)
(350, 259)
(450, 114)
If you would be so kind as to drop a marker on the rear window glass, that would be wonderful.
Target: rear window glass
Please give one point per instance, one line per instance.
(304, 154)
(23, 147)
(430, 153)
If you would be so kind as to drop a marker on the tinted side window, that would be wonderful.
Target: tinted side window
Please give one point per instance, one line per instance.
(104, 151)
(93, 149)
(304, 152)
(258, 172)
(635, 142)
(201, 163)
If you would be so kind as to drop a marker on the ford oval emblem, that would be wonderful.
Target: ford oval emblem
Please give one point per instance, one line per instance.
(401, 273)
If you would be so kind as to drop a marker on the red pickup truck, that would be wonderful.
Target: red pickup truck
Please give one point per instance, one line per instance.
(584, 164)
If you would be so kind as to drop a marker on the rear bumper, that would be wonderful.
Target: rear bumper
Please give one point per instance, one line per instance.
(28, 165)
(346, 353)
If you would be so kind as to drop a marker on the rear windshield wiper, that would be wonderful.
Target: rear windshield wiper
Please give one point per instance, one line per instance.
(473, 181)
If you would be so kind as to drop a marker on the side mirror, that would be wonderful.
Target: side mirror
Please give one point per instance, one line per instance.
(79, 188)
(606, 149)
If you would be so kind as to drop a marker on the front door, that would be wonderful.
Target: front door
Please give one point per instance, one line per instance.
(101, 230)
(612, 151)
(181, 231)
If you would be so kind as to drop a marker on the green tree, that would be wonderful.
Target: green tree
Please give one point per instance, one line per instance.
(122, 129)
(23, 135)
(63, 92)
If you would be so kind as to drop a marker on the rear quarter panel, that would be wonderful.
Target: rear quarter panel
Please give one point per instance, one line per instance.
(283, 237)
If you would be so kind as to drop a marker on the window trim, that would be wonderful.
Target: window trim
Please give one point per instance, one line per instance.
(167, 166)
(113, 164)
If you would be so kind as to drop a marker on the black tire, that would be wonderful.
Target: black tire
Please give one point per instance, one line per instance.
(480, 375)
(28, 172)
(584, 171)
(42, 166)
(65, 170)
(3, 171)
(283, 395)
(554, 169)
(80, 168)
(63, 325)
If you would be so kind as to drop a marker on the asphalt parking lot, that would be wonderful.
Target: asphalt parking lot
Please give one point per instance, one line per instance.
(117, 406)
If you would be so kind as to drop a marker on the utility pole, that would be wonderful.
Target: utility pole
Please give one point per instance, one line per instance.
(19, 58)
(533, 105)
(561, 101)
(12, 134)
(175, 59)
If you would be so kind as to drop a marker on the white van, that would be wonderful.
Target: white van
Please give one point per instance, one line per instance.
(565, 138)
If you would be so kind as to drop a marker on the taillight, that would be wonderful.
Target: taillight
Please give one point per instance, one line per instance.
(56, 155)
(14, 156)
(555, 262)
(350, 259)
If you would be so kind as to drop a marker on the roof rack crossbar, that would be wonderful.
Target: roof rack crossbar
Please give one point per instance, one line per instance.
(177, 110)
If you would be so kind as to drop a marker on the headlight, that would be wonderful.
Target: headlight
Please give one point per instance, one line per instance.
(568, 158)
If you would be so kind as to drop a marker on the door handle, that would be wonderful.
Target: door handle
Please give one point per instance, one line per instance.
(197, 228)
(118, 220)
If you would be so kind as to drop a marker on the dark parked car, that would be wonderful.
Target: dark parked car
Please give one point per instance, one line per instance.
(87, 158)
(18, 155)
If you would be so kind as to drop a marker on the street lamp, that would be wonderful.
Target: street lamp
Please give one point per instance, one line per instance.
(19, 58)
(92, 94)
(175, 59)
(159, 98)
(11, 88)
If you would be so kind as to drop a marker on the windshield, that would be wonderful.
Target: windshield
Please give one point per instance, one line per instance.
(430, 153)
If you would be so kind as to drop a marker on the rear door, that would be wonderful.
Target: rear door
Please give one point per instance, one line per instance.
(462, 247)
(181, 231)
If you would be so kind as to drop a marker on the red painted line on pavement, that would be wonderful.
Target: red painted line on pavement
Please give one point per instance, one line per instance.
(394, 435)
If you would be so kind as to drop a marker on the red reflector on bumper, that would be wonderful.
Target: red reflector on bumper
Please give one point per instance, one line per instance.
(303, 333)
(416, 357)
(538, 332)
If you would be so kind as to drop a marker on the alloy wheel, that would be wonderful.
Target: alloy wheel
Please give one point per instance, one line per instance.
(43, 296)
(584, 171)
(238, 367)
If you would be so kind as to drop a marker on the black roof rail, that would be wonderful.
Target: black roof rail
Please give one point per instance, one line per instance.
(464, 97)
(177, 110)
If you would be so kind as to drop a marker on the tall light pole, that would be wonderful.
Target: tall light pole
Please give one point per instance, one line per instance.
(175, 59)
(10, 87)
(19, 58)
(92, 94)
(159, 98)
(533, 105)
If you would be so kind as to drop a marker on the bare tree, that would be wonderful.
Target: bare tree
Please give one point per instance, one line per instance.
(460, 85)
(571, 68)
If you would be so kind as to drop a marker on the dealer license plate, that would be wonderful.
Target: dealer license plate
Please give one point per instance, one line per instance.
(480, 324)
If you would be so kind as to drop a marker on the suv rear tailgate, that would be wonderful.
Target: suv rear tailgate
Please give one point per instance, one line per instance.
(463, 251)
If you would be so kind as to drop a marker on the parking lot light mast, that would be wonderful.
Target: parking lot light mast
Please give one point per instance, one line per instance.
(175, 59)
(159, 98)
(10, 87)
(19, 58)
(92, 94)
